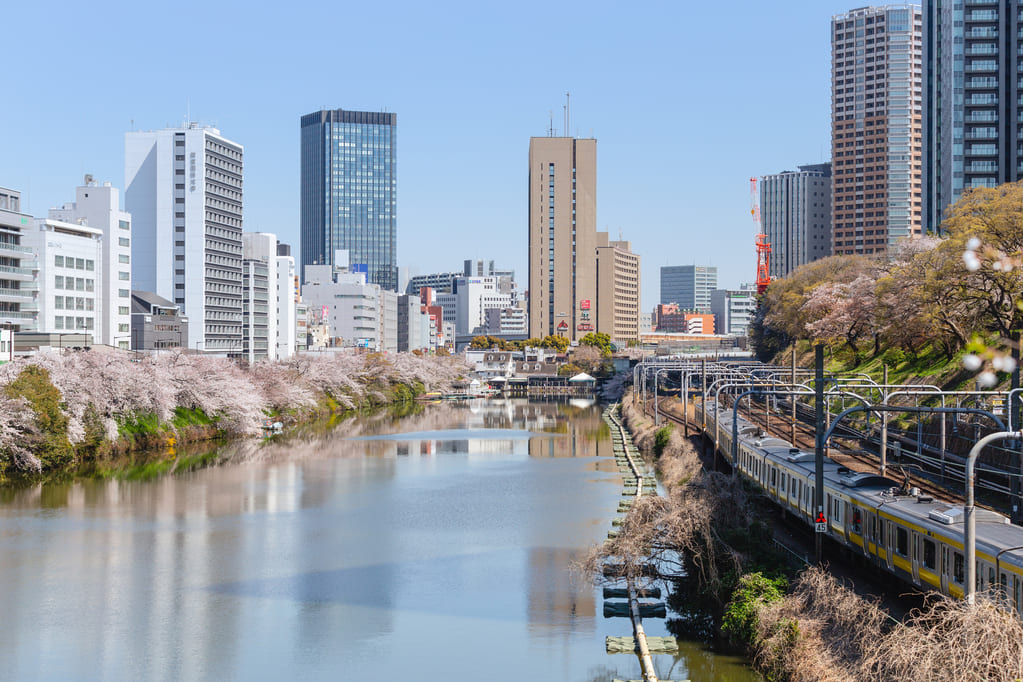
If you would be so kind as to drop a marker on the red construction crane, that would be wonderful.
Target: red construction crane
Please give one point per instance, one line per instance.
(763, 247)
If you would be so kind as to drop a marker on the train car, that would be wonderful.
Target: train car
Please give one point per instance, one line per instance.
(914, 537)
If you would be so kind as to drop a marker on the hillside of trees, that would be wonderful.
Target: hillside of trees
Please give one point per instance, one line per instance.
(933, 296)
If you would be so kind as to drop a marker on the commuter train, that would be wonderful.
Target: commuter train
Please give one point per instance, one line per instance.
(913, 536)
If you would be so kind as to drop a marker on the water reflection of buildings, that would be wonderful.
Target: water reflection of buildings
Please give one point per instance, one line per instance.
(558, 598)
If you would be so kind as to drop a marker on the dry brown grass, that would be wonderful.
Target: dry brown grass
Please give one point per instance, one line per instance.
(820, 631)
(825, 631)
(683, 532)
(952, 640)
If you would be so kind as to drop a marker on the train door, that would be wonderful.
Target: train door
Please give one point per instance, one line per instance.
(889, 533)
(914, 556)
(946, 567)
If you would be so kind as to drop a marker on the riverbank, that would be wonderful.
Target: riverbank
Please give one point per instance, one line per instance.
(806, 625)
(60, 412)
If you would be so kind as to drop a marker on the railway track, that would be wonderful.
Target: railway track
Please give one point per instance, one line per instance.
(852, 457)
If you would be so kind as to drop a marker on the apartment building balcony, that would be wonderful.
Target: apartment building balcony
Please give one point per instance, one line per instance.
(14, 250)
(22, 296)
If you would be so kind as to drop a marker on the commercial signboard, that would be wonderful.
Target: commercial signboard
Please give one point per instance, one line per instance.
(584, 304)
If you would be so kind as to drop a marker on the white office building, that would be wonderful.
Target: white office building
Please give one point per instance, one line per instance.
(184, 192)
(70, 267)
(352, 307)
(474, 296)
(734, 309)
(287, 302)
(19, 288)
(261, 247)
(99, 206)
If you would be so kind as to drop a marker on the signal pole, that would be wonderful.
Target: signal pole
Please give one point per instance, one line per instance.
(818, 493)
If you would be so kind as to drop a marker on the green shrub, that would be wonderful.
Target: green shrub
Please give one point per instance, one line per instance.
(661, 439)
(52, 445)
(742, 615)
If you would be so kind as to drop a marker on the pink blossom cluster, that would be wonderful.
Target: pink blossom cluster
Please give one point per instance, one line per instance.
(122, 385)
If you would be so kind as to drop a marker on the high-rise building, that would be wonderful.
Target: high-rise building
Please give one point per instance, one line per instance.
(19, 287)
(562, 234)
(795, 212)
(99, 207)
(579, 280)
(184, 192)
(973, 125)
(349, 191)
(617, 304)
(689, 285)
(876, 119)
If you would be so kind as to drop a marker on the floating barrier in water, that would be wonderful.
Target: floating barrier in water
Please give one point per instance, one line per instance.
(620, 609)
(627, 645)
(623, 593)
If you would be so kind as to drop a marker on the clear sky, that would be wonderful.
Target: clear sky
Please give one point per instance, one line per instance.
(687, 101)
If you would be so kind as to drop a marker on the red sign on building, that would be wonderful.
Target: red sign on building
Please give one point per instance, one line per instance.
(562, 326)
(584, 304)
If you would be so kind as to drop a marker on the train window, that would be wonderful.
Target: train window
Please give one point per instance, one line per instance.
(782, 482)
(857, 521)
(990, 576)
(774, 476)
(880, 532)
(930, 555)
(1015, 592)
(901, 542)
(958, 568)
(836, 509)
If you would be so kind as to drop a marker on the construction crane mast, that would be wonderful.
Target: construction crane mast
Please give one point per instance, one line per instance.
(763, 247)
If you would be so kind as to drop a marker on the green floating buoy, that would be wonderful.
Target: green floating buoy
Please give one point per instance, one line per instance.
(627, 645)
(620, 609)
(623, 593)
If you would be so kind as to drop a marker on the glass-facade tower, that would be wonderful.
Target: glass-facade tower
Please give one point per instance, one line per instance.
(973, 52)
(349, 191)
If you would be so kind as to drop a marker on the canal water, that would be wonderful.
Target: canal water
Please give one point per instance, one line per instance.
(438, 546)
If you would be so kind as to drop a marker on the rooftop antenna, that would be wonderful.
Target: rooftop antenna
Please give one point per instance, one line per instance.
(550, 127)
(567, 134)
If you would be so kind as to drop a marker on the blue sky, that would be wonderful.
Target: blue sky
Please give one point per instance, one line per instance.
(687, 101)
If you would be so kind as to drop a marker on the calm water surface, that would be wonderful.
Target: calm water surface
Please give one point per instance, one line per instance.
(435, 547)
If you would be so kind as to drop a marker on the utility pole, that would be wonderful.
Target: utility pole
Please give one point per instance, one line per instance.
(1014, 414)
(792, 398)
(818, 493)
(884, 421)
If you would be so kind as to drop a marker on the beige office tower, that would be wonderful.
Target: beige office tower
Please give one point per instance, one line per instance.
(617, 289)
(876, 77)
(562, 235)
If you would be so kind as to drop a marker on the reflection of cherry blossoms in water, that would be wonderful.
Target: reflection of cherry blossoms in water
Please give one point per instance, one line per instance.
(112, 387)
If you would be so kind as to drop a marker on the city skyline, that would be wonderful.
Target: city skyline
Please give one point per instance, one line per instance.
(692, 193)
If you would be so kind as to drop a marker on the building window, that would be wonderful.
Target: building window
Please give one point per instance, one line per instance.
(58, 282)
(123, 241)
(123, 276)
(123, 328)
(124, 224)
(122, 258)
(123, 293)
(58, 302)
(90, 265)
(122, 310)
(58, 322)
(79, 264)
(58, 261)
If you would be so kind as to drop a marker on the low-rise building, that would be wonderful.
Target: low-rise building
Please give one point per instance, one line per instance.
(734, 309)
(156, 323)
